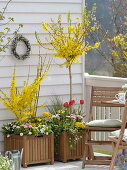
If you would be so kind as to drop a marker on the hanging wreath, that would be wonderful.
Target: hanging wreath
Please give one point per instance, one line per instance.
(14, 46)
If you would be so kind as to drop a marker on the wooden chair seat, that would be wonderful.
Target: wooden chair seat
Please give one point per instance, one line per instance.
(100, 129)
(98, 142)
(99, 98)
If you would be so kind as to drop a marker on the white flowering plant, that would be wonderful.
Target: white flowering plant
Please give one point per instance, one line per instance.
(17, 128)
(5, 163)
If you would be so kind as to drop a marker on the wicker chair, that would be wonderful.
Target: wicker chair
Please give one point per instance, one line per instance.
(99, 96)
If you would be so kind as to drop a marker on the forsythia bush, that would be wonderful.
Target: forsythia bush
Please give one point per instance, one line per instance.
(119, 53)
(22, 103)
(68, 42)
(119, 43)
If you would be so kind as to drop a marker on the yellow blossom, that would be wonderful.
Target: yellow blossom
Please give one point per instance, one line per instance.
(60, 111)
(70, 45)
(114, 53)
(39, 119)
(71, 29)
(119, 44)
(77, 124)
(68, 42)
(80, 125)
(46, 114)
(96, 45)
(42, 105)
(22, 103)
(83, 125)
(45, 26)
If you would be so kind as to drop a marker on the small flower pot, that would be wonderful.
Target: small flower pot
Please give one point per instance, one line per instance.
(66, 153)
(36, 149)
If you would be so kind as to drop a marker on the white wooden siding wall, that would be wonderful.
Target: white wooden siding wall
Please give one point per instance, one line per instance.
(31, 13)
(102, 112)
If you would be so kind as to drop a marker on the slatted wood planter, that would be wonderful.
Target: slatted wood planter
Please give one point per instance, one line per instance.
(37, 149)
(65, 153)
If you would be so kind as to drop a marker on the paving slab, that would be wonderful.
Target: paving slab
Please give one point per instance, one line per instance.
(71, 165)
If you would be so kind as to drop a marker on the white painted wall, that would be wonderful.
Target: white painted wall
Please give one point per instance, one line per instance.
(31, 13)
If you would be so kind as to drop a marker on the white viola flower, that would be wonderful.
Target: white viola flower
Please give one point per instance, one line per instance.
(21, 134)
(46, 133)
(18, 127)
(14, 126)
(42, 130)
(3, 164)
(8, 136)
(30, 133)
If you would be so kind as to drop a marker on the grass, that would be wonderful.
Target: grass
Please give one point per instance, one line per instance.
(103, 151)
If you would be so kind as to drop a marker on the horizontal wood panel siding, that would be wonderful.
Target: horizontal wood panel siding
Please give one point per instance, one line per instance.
(54, 70)
(21, 17)
(45, 7)
(31, 13)
(32, 60)
(45, 1)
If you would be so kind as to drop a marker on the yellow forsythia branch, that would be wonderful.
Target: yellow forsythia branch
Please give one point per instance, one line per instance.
(22, 103)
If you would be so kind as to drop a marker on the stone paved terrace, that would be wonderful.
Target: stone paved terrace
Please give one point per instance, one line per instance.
(71, 165)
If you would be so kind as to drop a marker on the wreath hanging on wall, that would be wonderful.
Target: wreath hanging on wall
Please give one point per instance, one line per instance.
(14, 46)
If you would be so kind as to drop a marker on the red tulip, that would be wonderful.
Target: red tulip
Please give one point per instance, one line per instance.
(81, 101)
(71, 102)
(66, 104)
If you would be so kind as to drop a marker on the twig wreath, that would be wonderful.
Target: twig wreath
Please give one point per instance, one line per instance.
(14, 46)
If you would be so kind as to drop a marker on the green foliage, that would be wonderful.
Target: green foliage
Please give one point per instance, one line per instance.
(57, 104)
(5, 163)
(16, 128)
(62, 120)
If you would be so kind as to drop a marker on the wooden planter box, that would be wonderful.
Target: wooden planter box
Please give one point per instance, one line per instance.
(37, 149)
(65, 153)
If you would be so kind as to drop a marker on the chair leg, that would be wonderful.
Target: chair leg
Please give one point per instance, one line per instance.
(86, 150)
(84, 156)
(115, 150)
(90, 152)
